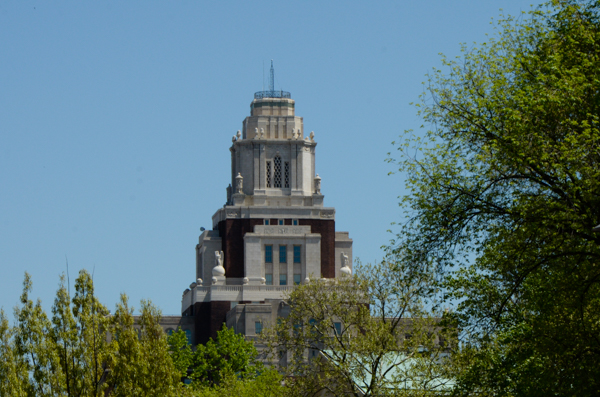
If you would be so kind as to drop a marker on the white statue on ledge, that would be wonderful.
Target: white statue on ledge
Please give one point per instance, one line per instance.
(218, 270)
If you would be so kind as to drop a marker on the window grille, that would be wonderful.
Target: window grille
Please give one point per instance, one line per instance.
(269, 181)
(297, 254)
(287, 174)
(277, 172)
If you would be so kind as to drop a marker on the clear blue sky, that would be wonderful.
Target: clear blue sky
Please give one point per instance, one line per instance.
(116, 119)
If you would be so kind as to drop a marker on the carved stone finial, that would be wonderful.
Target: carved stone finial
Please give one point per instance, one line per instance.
(256, 133)
(293, 134)
(218, 270)
(239, 134)
(233, 138)
(262, 133)
(299, 136)
(239, 182)
(263, 281)
(199, 281)
(317, 184)
(245, 281)
(306, 280)
(312, 136)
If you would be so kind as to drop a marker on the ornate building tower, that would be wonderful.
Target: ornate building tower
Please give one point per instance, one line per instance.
(273, 232)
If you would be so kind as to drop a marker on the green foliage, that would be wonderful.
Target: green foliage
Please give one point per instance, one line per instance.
(367, 335)
(266, 384)
(13, 371)
(82, 350)
(505, 191)
(230, 355)
(181, 352)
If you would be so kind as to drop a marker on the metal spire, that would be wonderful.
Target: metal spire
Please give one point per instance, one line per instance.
(271, 93)
(272, 78)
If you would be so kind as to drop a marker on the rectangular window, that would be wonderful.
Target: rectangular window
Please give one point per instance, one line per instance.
(268, 174)
(295, 222)
(283, 254)
(268, 254)
(283, 279)
(257, 327)
(287, 175)
(297, 278)
(268, 279)
(280, 222)
(297, 254)
(277, 172)
(338, 328)
(266, 222)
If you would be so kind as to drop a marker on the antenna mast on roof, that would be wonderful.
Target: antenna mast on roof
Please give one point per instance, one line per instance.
(272, 78)
(271, 93)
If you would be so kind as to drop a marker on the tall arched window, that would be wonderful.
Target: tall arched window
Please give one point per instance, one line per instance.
(277, 171)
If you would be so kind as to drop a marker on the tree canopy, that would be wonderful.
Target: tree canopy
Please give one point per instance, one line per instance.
(504, 194)
(371, 334)
(82, 350)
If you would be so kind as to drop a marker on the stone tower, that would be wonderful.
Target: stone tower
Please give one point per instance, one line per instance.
(273, 232)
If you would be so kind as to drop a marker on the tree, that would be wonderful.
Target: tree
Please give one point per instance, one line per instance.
(229, 355)
(82, 350)
(181, 352)
(13, 372)
(140, 364)
(266, 384)
(371, 334)
(504, 193)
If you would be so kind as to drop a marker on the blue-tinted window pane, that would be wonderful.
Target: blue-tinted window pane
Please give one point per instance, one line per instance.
(269, 279)
(338, 328)
(283, 254)
(297, 279)
(266, 221)
(280, 222)
(297, 254)
(283, 279)
(268, 253)
(295, 222)
(188, 335)
(257, 327)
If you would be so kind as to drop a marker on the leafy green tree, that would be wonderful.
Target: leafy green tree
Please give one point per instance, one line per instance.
(140, 364)
(181, 352)
(32, 344)
(372, 334)
(230, 355)
(13, 372)
(267, 384)
(162, 377)
(78, 335)
(504, 193)
(82, 350)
